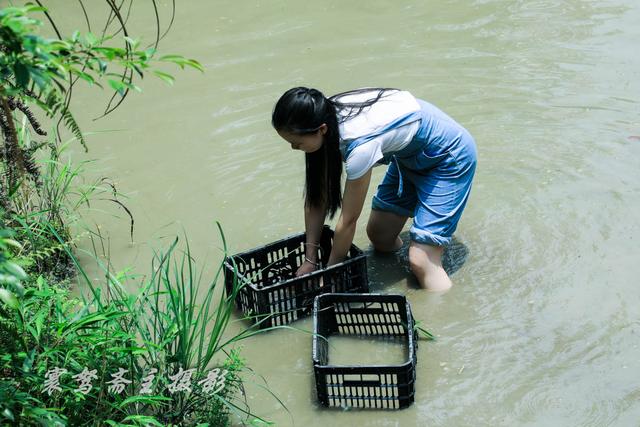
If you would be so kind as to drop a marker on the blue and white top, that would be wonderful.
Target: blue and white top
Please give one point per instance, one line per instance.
(387, 126)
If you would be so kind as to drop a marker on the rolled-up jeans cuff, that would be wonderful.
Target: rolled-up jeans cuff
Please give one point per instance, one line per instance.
(380, 205)
(422, 236)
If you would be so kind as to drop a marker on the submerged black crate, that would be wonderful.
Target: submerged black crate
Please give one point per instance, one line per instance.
(267, 290)
(375, 386)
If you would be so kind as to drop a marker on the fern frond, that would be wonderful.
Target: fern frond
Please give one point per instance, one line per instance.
(72, 125)
(55, 104)
(49, 251)
(17, 103)
(30, 164)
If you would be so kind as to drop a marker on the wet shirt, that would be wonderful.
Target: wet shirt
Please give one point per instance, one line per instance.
(370, 121)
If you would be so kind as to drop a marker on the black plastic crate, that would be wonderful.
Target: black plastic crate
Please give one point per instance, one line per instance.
(375, 386)
(268, 291)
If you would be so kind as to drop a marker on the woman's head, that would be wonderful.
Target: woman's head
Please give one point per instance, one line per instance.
(302, 111)
(307, 120)
(306, 142)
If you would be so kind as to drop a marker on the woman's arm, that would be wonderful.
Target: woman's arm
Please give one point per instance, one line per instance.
(355, 191)
(313, 221)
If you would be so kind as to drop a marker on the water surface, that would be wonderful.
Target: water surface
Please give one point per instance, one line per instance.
(542, 327)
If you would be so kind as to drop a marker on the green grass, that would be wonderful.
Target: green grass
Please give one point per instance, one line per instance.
(175, 320)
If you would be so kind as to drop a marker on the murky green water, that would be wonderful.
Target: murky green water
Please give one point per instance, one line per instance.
(543, 324)
(353, 350)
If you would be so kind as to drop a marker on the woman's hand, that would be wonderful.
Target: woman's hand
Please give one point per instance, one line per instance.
(306, 268)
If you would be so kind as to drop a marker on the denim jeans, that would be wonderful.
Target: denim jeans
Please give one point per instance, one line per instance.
(430, 179)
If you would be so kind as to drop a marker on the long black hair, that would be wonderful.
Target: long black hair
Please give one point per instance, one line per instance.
(303, 111)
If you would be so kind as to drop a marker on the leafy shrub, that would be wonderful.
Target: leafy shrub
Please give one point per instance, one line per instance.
(168, 325)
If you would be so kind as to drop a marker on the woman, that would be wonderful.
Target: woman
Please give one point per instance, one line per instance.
(431, 158)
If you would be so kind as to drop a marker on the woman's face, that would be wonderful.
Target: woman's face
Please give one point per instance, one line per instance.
(308, 143)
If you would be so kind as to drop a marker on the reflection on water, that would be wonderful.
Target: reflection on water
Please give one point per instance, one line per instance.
(386, 268)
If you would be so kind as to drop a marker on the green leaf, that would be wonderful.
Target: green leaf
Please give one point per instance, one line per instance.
(133, 44)
(15, 269)
(148, 53)
(176, 59)
(8, 279)
(181, 61)
(134, 87)
(102, 65)
(40, 324)
(195, 64)
(11, 242)
(143, 399)
(118, 86)
(88, 322)
(171, 58)
(18, 289)
(84, 76)
(91, 39)
(258, 422)
(147, 420)
(27, 364)
(7, 414)
(108, 52)
(55, 45)
(22, 74)
(33, 8)
(9, 299)
(426, 334)
(168, 78)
